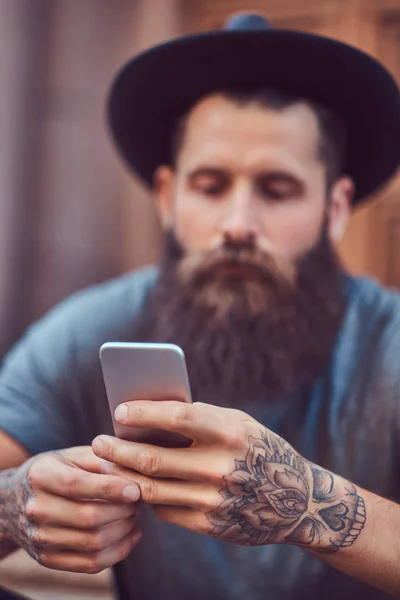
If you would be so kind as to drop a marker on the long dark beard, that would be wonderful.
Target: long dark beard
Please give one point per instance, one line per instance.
(247, 339)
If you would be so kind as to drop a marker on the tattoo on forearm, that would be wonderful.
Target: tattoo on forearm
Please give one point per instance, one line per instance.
(6, 543)
(15, 527)
(276, 496)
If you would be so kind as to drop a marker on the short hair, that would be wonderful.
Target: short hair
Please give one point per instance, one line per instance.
(332, 142)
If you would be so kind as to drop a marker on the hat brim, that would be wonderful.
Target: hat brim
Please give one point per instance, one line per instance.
(157, 87)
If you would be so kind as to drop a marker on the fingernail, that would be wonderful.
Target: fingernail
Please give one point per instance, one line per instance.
(121, 413)
(131, 492)
(98, 447)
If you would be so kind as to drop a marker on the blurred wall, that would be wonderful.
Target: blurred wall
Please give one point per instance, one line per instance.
(65, 197)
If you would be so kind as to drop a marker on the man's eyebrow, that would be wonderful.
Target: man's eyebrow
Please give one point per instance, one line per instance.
(207, 170)
(277, 175)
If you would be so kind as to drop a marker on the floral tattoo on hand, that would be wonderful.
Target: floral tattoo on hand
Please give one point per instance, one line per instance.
(276, 496)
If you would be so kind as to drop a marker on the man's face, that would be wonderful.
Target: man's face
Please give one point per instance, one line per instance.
(250, 173)
(249, 284)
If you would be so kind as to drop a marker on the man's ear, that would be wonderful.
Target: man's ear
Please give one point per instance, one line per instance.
(163, 190)
(339, 210)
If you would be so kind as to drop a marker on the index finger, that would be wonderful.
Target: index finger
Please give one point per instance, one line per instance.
(82, 457)
(58, 477)
(198, 422)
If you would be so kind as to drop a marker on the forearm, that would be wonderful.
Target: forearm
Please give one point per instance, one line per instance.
(289, 500)
(374, 557)
(7, 545)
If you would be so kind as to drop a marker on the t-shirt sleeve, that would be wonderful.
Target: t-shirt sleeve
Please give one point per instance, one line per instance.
(52, 392)
(38, 384)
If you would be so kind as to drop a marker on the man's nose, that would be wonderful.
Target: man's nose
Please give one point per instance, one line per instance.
(240, 225)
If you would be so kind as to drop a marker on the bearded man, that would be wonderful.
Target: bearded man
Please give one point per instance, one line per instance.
(258, 143)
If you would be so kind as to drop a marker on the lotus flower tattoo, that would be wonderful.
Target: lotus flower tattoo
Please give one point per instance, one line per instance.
(276, 496)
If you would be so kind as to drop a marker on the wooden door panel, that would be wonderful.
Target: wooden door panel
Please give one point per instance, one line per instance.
(385, 215)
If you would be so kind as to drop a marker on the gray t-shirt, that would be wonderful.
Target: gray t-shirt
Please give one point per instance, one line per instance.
(52, 396)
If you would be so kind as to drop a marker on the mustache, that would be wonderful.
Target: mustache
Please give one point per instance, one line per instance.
(248, 256)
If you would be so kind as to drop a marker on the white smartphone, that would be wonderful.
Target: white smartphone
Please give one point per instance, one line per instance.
(133, 371)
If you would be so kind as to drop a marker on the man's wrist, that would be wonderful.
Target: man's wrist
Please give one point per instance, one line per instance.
(7, 543)
(335, 517)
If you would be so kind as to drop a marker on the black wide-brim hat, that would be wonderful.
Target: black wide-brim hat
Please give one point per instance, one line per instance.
(157, 87)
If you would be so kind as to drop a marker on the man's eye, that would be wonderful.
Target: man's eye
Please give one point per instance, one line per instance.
(279, 194)
(214, 188)
(275, 193)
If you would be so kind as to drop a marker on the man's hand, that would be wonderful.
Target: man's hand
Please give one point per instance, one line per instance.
(238, 481)
(68, 513)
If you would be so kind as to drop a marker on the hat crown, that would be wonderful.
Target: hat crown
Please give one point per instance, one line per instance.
(247, 22)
